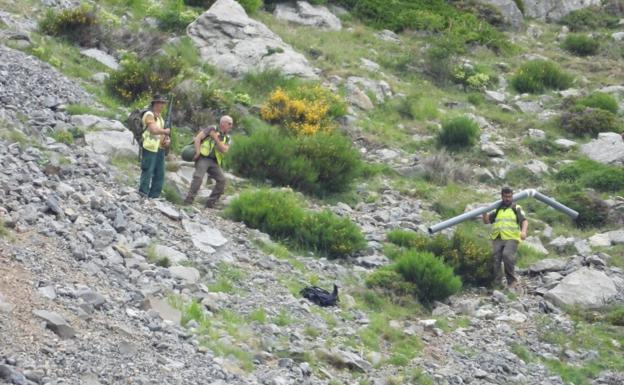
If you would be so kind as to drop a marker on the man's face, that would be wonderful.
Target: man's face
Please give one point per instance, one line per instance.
(507, 198)
(158, 106)
(225, 126)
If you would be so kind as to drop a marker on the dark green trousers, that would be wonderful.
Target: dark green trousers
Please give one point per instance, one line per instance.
(152, 172)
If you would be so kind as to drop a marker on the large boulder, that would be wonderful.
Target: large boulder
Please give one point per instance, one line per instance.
(305, 14)
(587, 288)
(228, 39)
(553, 10)
(608, 148)
(509, 9)
(110, 143)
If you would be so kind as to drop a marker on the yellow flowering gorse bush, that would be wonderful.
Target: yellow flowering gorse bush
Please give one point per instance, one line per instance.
(305, 111)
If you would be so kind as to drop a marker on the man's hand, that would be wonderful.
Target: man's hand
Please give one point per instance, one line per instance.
(166, 142)
(167, 131)
(523, 235)
(196, 156)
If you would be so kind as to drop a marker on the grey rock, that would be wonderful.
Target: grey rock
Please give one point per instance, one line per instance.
(495, 96)
(369, 65)
(344, 359)
(12, 376)
(587, 288)
(48, 292)
(94, 122)
(164, 310)
(529, 107)
(491, 149)
(189, 275)
(600, 240)
(305, 14)
(467, 307)
(111, 143)
(54, 206)
(359, 99)
(565, 143)
(536, 134)
(204, 237)
(536, 244)
(228, 39)
(616, 237)
(120, 224)
(100, 77)
(168, 211)
(582, 247)
(608, 148)
(5, 307)
(547, 265)
(510, 11)
(91, 297)
(101, 57)
(617, 36)
(389, 36)
(553, 10)
(536, 167)
(56, 323)
(174, 256)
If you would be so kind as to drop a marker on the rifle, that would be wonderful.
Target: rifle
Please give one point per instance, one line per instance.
(168, 123)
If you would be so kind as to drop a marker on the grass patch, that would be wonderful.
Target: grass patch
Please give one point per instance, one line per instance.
(84, 109)
(153, 257)
(259, 316)
(283, 318)
(228, 277)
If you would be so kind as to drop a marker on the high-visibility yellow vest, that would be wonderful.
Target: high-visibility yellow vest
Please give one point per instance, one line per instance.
(151, 142)
(506, 225)
(208, 145)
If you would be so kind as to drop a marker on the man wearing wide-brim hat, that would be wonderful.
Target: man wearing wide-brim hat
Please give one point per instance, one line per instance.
(155, 142)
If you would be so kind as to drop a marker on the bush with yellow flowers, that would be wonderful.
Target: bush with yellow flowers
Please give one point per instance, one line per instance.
(306, 110)
(80, 25)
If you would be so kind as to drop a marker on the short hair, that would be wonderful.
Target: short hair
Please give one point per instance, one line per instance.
(226, 119)
(506, 190)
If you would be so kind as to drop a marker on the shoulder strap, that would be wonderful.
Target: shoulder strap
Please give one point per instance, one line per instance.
(513, 208)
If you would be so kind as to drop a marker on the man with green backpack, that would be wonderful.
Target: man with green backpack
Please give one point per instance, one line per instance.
(210, 145)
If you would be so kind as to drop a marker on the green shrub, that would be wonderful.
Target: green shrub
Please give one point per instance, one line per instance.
(273, 212)
(467, 253)
(593, 211)
(79, 25)
(588, 19)
(589, 121)
(581, 45)
(542, 147)
(387, 279)
(471, 78)
(459, 133)
(280, 214)
(63, 136)
(536, 76)
(200, 3)
(600, 100)
(251, 6)
(138, 78)
(615, 316)
(173, 16)
(440, 60)
(320, 164)
(589, 173)
(434, 279)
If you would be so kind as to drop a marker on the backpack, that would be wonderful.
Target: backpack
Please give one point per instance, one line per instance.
(135, 124)
(513, 208)
(320, 296)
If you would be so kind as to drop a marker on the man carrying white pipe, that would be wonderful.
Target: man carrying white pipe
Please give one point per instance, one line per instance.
(510, 227)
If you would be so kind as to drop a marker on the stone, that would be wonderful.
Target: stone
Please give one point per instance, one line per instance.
(608, 148)
(561, 242)
(91, 297)
(56, 323)
(537, 167)
(389, 36)
(535, 244)
(168, 210)
(616, 237)
(5, 307)
(569, 93)
(369, 65)
(617, 36)
(359, 99)
(547, 265)
(236, 44)
(582, 247)
(497, 97)
(509, 10)
(554, 10)
(344, 359)
(513, 316)
(305, 14)
(529, 108)
(48, 292)
(101, 57)
(204, 237)
(586, 287)
(600, 240)
(536, 134)
(492, 150)
(97, 123)
(565, 143)
(164, 310)
(467, 307)
(189, 275)
(111, 143)
(12, 376)
(173, 255)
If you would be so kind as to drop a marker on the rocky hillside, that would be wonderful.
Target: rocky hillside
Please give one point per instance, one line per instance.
(101, 286)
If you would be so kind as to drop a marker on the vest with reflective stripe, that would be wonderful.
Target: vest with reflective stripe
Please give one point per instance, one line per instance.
(151, 142)
(506, 225)
(208, 145)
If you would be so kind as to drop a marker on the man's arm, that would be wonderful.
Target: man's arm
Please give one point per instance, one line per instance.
(486, 218)
(222, 147)
(524, 227)
(153, 128)
(197, 143)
